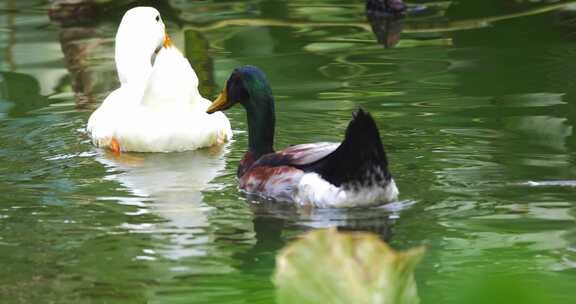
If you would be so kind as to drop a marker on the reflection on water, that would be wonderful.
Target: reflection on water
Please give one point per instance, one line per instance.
(80, 46)
(19, 94)
(387, 28)
(559, 183)
(477, 115)
(173, 183)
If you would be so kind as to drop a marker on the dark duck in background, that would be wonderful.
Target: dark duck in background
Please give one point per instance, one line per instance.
(386, 19)
(350, 174)
(389, 7)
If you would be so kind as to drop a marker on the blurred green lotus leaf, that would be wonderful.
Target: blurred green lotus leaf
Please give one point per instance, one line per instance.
(327, 266)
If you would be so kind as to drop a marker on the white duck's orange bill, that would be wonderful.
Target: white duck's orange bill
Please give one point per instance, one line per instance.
(167, 41)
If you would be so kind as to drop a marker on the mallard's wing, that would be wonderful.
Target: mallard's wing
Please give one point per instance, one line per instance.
(359, 159)
(307, 153)
(276, 175)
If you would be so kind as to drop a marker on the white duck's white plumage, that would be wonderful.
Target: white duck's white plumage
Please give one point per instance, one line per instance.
(158, 107)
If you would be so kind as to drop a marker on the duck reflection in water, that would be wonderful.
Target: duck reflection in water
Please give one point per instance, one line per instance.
(386, 19)
(173, 183)
(273, 219)
(378, 220)
(81, 41)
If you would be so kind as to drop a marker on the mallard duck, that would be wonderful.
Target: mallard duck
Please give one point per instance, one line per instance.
(350, 174)
(158, 107)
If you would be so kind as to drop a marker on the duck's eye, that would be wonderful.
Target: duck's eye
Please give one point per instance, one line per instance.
(158, 18)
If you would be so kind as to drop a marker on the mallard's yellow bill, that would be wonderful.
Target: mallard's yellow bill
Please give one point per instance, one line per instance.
(220, 104)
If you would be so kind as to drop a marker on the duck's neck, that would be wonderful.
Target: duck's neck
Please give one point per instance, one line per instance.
(133, 70)
(261, 122)
(133, 61)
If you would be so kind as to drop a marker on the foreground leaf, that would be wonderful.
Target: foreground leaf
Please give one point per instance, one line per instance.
(327, 266)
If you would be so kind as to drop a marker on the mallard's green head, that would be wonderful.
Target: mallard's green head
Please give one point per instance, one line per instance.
(248, 86)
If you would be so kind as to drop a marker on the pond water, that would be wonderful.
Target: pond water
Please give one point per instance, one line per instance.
(476, 104)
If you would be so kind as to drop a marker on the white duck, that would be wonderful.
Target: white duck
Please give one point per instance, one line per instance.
(158, 107)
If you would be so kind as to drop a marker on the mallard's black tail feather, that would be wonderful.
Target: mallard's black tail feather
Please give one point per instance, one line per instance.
(360, 160)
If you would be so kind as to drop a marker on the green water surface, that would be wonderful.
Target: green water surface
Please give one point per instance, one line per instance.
(476, 105)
